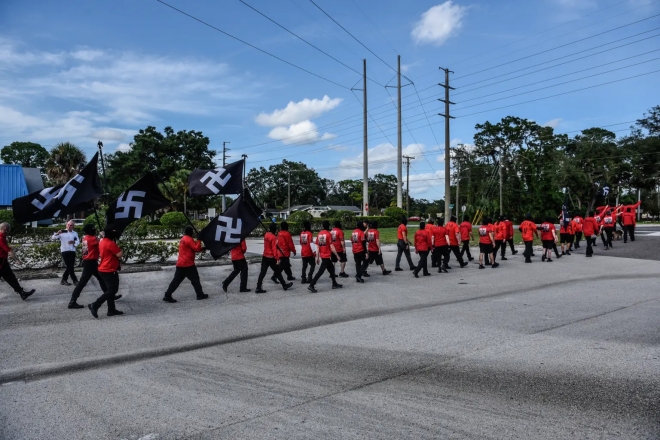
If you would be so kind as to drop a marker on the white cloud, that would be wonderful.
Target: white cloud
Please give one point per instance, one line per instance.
(439, 23)
(123, 148)
(554, 123)
(108, 134)
(296, 112)
(301, 132)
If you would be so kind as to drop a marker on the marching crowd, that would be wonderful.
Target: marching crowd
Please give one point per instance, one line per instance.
(101, 256)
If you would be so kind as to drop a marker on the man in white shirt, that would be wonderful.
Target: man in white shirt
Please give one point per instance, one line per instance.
(69, 240)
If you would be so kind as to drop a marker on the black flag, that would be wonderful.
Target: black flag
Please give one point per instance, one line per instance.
(141, 199)
(227, 180)
(227, 230)
(73, 196)
(566, 218)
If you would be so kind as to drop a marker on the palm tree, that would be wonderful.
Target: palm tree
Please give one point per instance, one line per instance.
(65, 161)
(177, 187)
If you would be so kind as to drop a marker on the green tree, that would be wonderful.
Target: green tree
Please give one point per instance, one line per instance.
(166, 153)
(270, 185)
(651, 121)
(26, 154)
(65, 161)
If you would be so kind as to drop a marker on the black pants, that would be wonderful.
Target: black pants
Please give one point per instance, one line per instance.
(326, 263)
(285, 266)
(457, 253)
(69, 258)
(528, 250)
(8, 275)
(240, 266)
(499, 245)
(510, 241)
(630, 229)
(111, 280)
(422, 263)
(311, 262)
(578, 237)
(403, 248)
(466, 249)
(602, 237)
(266, 263)
(608, 236)
(180, 274)
(440, 256)
(361, 263)
(90, 269)
(590, 241)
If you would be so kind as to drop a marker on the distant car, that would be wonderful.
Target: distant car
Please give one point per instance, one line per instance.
(414, 218)
(78, 221)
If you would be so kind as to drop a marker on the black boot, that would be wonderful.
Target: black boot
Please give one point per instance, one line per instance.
(24, 294)
(259, 290)
(75, 305)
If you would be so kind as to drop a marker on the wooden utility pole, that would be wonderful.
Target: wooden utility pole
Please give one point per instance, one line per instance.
(408, 158)
(447, 117)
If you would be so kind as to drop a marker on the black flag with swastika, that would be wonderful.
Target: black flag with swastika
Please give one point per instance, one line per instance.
(73, 196)
(227, 180)
(141, 199)
(227, 230)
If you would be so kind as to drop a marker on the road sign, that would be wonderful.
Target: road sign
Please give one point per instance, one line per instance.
(451, 206)
(463, 208)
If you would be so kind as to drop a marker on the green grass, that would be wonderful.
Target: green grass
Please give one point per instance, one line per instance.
(388, 236)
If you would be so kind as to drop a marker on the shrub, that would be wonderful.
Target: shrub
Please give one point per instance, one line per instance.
(300, 216)
(395, 213)
(7, 216)
(91, 219)
(345, 216)
(173, 219)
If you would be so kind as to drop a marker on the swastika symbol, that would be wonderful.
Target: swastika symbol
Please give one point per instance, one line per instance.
(215, 178)
(225, 227)
(127, 203)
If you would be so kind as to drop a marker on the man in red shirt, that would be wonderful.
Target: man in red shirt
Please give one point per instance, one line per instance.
(359, 247)
(500, 237)
(271, 259)
(307, 252)
(486, 240)
(337, 235)
(326, 250)
(440, 246)
(528, 230)
(590, 226)
(578, 222)
(109, 253)
(423, 244)
(548, 238)
(374, 249)
(454, 234)
(466, 236)
(509, 236)
(430, 228)
(608, 225)
(90, 264)
(285, 247)
(240, 266)
(403, 245)
(5, 270)
(185, 266)
(565, 232)
(628, 219)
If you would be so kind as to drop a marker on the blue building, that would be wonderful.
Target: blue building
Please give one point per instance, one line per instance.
(16, 181)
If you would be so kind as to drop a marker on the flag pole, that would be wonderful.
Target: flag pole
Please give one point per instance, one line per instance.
(174, 200)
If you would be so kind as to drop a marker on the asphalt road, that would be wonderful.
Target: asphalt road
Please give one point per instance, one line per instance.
(569, 349)
(646, 245)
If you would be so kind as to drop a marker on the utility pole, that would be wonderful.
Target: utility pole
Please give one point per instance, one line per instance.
(365, 159)
(408, 158)
(447, 141)
(501, 205)
(399, 147)
(458, 182)
(288, 187)
(224, 161)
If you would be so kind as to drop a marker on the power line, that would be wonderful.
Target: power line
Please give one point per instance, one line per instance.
(373, 26)
(251, 45)
(352, 36)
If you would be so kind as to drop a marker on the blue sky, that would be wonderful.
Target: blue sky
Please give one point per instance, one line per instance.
(81, 71)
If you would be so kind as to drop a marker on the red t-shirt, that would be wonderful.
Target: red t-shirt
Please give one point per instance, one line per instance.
(90, 248)
(439, 236)
(238, 252)
(338, 239)
(285, 242)
(270, 246)
(484, 234)
(527, 229)
(323, 241)
(608, 221)
(466, 230)
(4, 247)
(452, 230)
(546, 231)
(306, 239)
(509, 229)
(579, 223)
(422, 240)
(430, 228)
(565, 229)
(108, 251)
(500, 231)
(372, 236)
(357, 238)
(628, 219)
(590, 226)
(401, 232)
(187, 248)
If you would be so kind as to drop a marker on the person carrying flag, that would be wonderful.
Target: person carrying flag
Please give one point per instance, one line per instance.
(240, 266)
(5, 270)
(271, 260)
(590, 228)
(69, 240)
(307, 252)
(326, 250)
(360, 255)
(423, 244)
(486, 240)
(439, 246)
(90, 264)
(185, 266)
(374, 247)
(109, 266)
(285, 247)
(403, 245)
(528, 230)
(548, 238)
(337, 235)
(466, 236)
